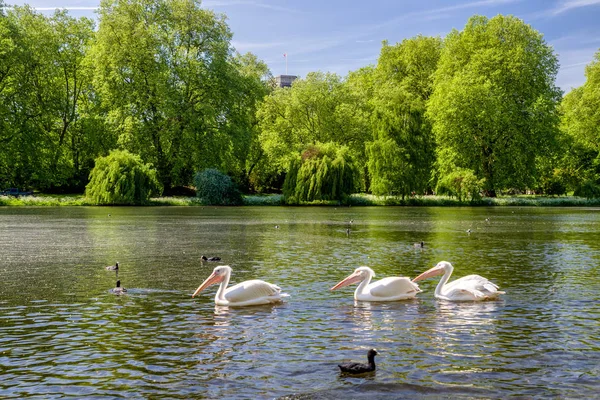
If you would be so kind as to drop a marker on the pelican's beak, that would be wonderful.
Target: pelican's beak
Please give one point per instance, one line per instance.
(437, 270)
(214, 278)
(354, 278)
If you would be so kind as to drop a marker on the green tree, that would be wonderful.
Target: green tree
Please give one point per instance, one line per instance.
(320, 108)
(215, 188)
(323, 172)
(122, 178)
(494, 103)
(460, 183)
(581, 124)
(170, 86)
(250, 81)
(402, 153)
(43, 80)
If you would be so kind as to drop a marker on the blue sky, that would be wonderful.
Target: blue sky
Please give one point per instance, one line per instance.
(341, 36)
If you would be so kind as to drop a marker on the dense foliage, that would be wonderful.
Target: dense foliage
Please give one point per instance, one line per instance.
(474, 112)
(215, 188)
(581, 123)
(122, 178)
(462, 184)
(322, 172)
(402, 154)
(494, 103)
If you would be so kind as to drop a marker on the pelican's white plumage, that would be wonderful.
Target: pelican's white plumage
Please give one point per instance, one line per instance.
(386, 289)
(468, 288)
(248, 293)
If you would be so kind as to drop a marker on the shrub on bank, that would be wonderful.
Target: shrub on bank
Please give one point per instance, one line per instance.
(462, 184)
(215, 188)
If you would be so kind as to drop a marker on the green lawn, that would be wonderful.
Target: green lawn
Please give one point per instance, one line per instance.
(354, 200)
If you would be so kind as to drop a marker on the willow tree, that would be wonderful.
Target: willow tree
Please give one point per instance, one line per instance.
(494, 102)
(122, 178)
(401, 155)
(322, 172)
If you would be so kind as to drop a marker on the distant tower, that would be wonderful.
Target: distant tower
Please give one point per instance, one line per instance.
(285, 80)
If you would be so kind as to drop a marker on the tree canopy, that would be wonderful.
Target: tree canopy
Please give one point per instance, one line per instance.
(161, 80)
(581, 123)
(494, 101)
(402, 154)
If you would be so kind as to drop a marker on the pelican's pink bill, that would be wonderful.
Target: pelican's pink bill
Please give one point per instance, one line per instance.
(437, 270)
(214, 278)
(355, 277)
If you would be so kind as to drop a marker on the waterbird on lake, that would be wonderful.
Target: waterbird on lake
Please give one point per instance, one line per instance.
(113, 267)
(419, 245)
(360, 368)
(118, 290)
(386, 289)
(468, 288)
(248, 293)
(204, 258)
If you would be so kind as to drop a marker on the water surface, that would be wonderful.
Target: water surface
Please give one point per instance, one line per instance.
(63, 334)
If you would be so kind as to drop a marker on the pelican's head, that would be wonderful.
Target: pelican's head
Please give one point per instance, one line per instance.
(359, 275)
(441, 268)
(218, 275)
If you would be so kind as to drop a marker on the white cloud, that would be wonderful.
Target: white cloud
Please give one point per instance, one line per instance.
(568, 5)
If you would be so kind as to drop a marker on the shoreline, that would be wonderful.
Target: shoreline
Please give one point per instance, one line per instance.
(357, 200)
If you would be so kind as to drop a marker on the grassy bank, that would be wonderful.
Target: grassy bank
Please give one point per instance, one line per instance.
(354, 200)
(433, 201)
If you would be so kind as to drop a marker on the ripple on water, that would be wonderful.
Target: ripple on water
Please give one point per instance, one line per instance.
(62, 333)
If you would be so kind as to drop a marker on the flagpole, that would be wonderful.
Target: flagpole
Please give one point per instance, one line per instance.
(286, 63)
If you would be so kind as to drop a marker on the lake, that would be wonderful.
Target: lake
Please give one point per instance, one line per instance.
(63, 334)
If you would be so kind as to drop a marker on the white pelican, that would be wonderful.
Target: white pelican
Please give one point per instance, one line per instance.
(247, 293)
(468, 288)
(386, 289)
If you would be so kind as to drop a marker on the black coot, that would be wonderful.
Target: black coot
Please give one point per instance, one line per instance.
(360, 368)
(204, 258)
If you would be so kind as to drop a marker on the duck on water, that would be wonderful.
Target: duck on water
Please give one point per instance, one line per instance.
(118, 290)
(113, 267)
(355, 368)
(204, 258)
